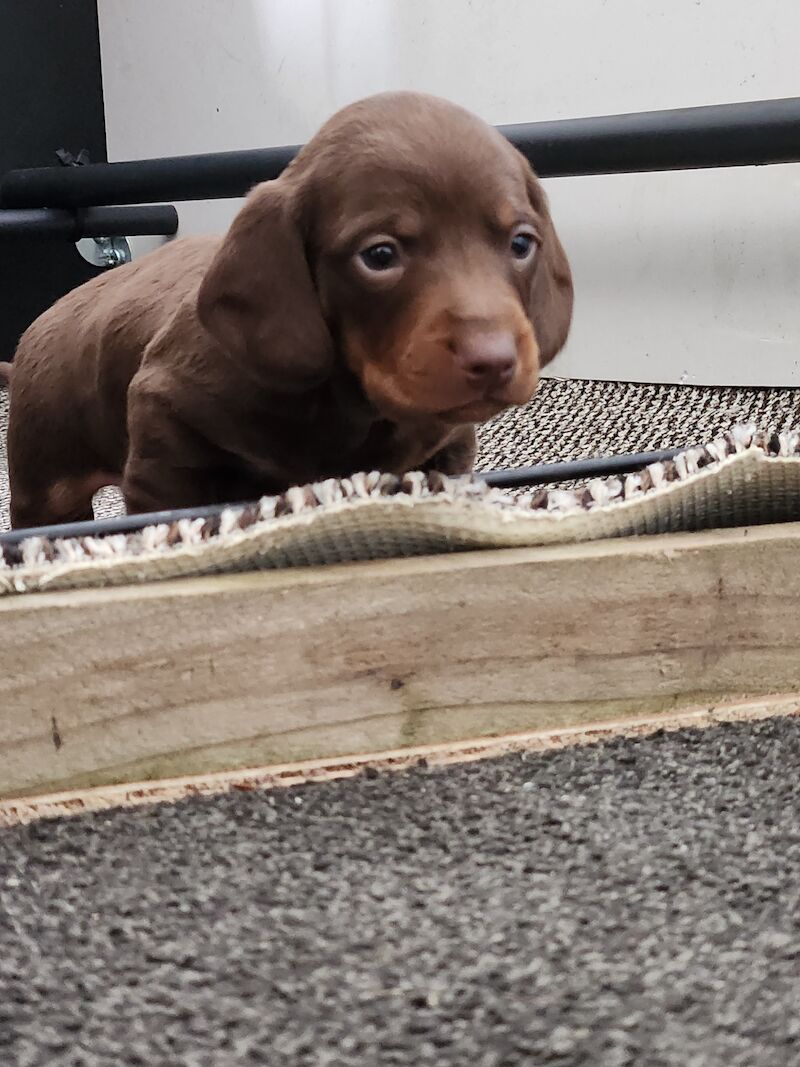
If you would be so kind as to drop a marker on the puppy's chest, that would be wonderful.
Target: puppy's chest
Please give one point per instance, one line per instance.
(395, 448)
(350, 435)
(324, 450)
(381, 445)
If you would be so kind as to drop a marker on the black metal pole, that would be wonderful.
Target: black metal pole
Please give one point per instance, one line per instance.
(721, 135)
(544, 474)
(57, 223)
(119, 524)
(202, 177)
(603, 467)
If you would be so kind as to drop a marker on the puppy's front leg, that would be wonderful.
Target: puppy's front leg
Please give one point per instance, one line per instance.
(457, 455)
(154, 485)
(169, 464)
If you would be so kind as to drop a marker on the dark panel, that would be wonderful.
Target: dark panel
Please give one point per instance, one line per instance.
(51, 97)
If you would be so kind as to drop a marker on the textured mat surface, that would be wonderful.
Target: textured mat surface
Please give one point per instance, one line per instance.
(568, 419)
(745, 477)
(633, 903)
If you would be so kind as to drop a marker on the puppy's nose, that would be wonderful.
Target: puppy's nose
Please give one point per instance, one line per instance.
(489, 359)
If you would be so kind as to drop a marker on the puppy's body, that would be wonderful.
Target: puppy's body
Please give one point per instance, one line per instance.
(363, 312)
(71, 375)
(229, 435)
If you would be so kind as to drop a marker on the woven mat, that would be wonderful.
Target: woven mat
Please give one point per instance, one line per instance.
(746, 476)
(727, 483)
(569, 419)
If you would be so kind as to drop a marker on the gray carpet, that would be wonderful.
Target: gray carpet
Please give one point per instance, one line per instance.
(634, 903)
(568, 419)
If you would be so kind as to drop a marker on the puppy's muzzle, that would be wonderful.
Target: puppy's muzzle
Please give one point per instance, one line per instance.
(486, 358)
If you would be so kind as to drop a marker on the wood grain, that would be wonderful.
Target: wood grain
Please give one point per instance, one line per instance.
(17, 811)
(211, 674)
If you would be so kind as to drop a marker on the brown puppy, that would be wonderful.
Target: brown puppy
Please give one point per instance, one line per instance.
(400, 282)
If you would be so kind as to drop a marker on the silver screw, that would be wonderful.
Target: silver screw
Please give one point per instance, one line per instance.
(113, 251)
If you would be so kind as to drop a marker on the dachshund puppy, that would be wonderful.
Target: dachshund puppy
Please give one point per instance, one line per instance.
(399, 283)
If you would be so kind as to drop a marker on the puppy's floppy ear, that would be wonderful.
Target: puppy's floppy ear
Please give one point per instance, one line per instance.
(550, 303)
(258, 300)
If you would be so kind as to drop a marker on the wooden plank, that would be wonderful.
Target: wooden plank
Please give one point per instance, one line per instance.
(22, 810)
(211, 674)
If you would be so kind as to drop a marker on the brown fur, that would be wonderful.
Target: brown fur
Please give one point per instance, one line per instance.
(220, 369)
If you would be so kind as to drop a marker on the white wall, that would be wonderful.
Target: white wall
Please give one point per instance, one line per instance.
(691, 276)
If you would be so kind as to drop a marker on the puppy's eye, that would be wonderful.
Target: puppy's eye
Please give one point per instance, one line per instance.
(523, 245)
(380, 257)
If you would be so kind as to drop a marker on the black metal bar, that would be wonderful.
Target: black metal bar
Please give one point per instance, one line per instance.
(202, 177)
(544, 474)
(721, 135)
(755, 133)
(602, 467)
(120, 524)
(57, 223)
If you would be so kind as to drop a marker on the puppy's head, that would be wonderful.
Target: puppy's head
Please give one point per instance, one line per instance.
(410, 238)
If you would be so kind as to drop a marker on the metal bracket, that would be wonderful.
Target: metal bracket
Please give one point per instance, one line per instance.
(105, 251)
(99, 251)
